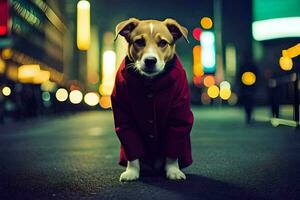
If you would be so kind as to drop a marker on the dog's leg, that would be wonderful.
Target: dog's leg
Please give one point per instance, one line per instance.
(172, 170)
(132, 171)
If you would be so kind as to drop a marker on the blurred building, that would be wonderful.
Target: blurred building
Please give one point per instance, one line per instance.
(32, 54)
(275, 28)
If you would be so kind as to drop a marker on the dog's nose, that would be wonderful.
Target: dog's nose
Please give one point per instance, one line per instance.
(150, 61)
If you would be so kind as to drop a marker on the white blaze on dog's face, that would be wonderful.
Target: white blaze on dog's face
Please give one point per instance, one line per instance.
(151, 42)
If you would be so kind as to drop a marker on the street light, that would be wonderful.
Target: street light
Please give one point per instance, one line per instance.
(75, 96)
(61, 94)
(6, 91)
(91, 99)
(83, 25)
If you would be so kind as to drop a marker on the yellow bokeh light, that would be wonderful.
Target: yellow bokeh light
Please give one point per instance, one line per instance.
(91, 98)
(286, 63)
(83, 25)
(248, 78)
(7, 54)
(26, 73)
(292, 52)
(6, 91)
(75, 96)
(61, 94)
(41, 77)
(225, 93)
(206, 22)
(209, 81)
(2, 66)
(105, 102)
(108, 73)
(48, 86)
(213, 91)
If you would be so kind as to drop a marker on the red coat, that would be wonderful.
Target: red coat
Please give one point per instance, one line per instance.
(153, 117)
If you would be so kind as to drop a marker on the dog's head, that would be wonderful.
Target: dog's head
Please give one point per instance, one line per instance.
(151, 42)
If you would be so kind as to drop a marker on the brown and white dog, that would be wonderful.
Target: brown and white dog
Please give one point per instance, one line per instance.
(151, 50)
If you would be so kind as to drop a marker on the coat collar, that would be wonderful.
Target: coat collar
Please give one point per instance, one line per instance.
(162, 81)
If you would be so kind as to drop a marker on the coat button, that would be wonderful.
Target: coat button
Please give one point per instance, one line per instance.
(150, 95)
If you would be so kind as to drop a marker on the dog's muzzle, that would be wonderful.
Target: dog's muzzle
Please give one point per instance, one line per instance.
(150, 64)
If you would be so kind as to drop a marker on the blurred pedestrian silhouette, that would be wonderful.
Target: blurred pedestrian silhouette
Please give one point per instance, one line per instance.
(274, 96)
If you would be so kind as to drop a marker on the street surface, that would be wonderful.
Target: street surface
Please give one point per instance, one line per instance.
(75, 157)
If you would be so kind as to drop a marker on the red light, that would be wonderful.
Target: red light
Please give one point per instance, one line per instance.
(197, 81)
(4, 17)
(3, 30)
(196, 33)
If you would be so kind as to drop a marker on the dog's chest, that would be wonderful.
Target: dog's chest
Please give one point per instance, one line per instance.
(150, 105)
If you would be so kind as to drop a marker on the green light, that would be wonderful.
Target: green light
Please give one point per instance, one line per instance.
(269, 9)
(276, 28)
(46, 96)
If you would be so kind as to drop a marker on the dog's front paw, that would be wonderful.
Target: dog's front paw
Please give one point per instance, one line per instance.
(130, 175)
(174, 173)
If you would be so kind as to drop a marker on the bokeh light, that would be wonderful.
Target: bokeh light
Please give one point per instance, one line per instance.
(213, 91)
(108, 73)
(26, 73)
(2, 66)
(208, 51)
(48, 86)
(83, 25)
(286, 63)
(7, 54)
(61, 94)
(46, 96)
(75, 96)
(225, 84)
(197, 65)
(91, 98)
(105, 102)
(225, 93)
(41, 77)
(197, 33)
(209, 81)
(276, 28)
(197, 81)
(206, 22)
(6, 91)
(248, 78)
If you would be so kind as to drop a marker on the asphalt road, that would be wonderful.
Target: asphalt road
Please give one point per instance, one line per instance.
(75, 157)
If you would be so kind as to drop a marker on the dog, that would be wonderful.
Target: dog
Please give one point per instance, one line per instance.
(151, 100)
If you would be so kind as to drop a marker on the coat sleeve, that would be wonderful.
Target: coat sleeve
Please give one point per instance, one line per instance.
(180, 121)
(124, 123)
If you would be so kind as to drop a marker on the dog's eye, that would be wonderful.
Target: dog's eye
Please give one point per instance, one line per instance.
(140, 42)
(162, 43)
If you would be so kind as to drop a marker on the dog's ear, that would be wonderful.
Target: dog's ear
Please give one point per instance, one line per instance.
(124, 28)
(176, 29)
